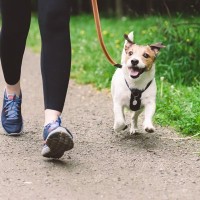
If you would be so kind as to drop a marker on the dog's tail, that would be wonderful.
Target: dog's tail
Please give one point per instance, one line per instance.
(131, 37)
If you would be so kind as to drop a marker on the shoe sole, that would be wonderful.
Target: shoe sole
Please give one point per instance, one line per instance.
(58, 141)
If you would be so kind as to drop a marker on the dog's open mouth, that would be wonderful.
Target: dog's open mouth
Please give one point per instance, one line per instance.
(135, 72)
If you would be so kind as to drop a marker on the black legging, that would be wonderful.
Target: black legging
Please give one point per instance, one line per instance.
(54, 16)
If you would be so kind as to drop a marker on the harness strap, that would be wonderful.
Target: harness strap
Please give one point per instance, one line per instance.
(98, 29)
(135, 100)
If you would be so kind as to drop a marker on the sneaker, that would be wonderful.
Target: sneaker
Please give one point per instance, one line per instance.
(57, 140)
(11, 117)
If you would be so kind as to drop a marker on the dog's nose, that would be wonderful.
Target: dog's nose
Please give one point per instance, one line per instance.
(134, 62)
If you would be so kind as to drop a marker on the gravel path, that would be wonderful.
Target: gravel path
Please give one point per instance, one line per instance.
(102, 165)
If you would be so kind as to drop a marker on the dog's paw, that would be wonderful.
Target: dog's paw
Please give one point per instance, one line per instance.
(117, 128)
(149, 129)
(133, 131)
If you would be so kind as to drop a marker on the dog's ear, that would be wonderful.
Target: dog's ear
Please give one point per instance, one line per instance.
(156, 47)
(131, 36)
(128, 41)
(127, 44)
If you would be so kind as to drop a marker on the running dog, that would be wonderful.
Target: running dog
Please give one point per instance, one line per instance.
(133, 86)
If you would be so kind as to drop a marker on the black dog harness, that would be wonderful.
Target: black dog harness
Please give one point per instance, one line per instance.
(135, 100)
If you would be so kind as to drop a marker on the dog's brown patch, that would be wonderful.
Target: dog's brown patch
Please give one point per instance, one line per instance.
(147, 55)
(149, 60)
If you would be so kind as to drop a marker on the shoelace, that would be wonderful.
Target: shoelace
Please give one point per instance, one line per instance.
(53, 125)
(12, 108)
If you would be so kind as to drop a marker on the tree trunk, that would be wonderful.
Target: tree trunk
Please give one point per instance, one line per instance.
(119, 9)
(149, 5)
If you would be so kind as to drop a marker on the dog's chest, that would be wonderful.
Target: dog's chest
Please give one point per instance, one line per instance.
(135, 98)
(135, 101)
(132, 101)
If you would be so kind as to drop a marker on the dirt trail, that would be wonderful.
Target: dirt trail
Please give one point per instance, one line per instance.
(102, 165)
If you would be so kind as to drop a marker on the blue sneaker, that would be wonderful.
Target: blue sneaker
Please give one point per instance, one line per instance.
(57, 140)
(11, 117)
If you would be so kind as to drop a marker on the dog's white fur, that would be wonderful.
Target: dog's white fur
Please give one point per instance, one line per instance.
(121, 93)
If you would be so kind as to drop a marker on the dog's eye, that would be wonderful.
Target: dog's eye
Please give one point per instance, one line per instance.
(130, 53)
(146, 55)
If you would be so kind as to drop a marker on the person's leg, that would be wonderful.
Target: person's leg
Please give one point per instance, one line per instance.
(54, 16)
(16, 16)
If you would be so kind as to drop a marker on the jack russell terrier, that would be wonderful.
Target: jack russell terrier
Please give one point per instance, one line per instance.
(134, 86)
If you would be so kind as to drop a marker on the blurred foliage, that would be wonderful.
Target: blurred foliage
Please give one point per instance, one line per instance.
(135, 7)
(178, 62)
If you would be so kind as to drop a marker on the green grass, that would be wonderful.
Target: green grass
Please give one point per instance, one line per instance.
(34, 40)
(178, 63)
(179, 107)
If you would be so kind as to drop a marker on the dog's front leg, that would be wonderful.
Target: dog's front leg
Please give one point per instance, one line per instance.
(119, 119)
(149, 112)
(134, 120)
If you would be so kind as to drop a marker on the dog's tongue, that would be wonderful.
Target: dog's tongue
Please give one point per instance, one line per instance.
(134, 72)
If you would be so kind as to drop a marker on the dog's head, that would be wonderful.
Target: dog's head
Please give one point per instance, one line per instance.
(139, 59)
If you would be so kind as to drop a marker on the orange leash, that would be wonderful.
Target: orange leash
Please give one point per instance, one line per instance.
(98, 29)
